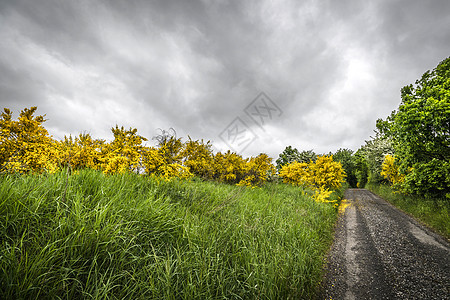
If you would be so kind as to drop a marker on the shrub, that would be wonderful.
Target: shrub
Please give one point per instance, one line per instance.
(25, 145)
(390, 171)
(322, 175)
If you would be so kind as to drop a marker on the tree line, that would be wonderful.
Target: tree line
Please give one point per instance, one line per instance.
(410, 149)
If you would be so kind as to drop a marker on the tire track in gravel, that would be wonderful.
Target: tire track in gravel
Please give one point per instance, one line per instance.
(380, 252)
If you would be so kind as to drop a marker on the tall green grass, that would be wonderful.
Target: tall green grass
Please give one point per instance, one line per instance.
(90, 236)
(433, 212)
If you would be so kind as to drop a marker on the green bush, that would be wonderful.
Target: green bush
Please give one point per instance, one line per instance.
(430, 179)
(420, 131)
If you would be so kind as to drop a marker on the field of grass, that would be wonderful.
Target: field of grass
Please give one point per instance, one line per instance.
(433, 212)
(90, 236)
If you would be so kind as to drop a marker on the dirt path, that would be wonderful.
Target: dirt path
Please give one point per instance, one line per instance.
(381, 253)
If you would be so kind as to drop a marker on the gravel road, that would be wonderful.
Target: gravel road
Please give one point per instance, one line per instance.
(381, 253)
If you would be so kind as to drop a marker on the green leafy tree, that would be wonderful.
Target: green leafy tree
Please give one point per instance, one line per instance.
(307, 155)
(420, 130)
(362, 170)
(374, 152)
(345, 157)
(286, 157)
(290, 155)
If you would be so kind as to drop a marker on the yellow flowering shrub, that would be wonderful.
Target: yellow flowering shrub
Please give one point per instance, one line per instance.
(25, 145)
(155, 163)
(171, 150)
(174, 170)
(326, 173)
(390, 171)
(124, 152)
(322, 175)
(117, 165)
(321, 194)
(198, 158)
(81, 152)
(257, 170)
(229, 167)
(232, 168)
(296, 173)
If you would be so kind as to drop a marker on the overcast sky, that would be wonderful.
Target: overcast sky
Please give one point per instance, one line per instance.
(253, 76)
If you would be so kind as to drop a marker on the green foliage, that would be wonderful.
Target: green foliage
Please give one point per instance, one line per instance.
(365, 165)
(286, 157)
(374, 152)
(431, 178)
(290, 155)
(420, 131)
(362, 171)
(307, 156)
(345, 157)
(125, 236)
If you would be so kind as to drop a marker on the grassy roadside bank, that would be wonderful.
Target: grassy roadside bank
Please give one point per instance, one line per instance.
(126, 236)
(433, 212)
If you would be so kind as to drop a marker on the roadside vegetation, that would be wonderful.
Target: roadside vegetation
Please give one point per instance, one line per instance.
(407, 161)
(412, 151)
(126, 236)
(87, 218)
(433, 212)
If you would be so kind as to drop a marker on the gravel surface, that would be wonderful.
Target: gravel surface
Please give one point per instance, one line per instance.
(381, 253)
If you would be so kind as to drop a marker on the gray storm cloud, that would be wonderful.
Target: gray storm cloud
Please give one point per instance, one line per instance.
(332, 67)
